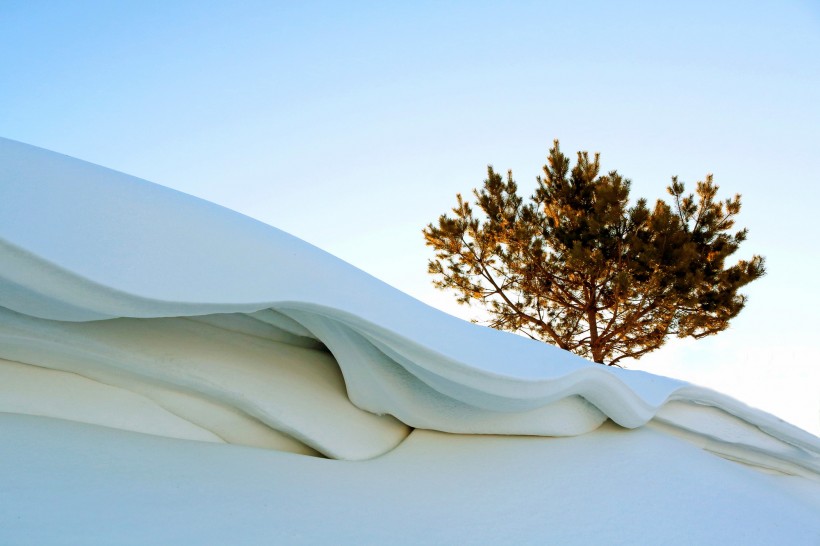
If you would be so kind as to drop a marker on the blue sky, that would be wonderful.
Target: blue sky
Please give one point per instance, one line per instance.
(354, 124)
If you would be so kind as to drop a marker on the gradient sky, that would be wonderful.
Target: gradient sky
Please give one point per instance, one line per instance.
(352, 125)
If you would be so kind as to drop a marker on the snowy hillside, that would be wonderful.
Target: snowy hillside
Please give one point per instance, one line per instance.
(172, 371)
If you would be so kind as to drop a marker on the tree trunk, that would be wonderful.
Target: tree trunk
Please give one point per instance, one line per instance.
(597, 352)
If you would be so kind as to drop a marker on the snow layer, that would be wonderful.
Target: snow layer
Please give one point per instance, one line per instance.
(81, 243)
(218, 380)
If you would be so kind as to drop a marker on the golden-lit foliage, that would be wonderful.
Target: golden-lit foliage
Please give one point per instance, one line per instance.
(578, 267)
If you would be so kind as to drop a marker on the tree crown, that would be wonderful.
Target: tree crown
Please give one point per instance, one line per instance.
(578, 267)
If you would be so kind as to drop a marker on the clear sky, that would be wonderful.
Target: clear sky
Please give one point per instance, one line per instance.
(354, 124)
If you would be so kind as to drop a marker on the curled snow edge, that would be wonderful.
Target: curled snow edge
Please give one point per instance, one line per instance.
(101, 269)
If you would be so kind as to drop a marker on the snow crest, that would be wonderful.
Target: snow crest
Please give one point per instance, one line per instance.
(177, 317)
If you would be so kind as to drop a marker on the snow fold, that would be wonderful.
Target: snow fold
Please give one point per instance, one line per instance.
(284, 346)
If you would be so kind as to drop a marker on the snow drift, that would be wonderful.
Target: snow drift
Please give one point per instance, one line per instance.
(131, 306)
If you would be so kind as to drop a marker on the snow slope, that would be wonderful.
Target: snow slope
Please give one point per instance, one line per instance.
(126, 305)
(613, 486)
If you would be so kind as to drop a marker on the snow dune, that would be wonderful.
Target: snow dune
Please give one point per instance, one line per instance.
(130, 306)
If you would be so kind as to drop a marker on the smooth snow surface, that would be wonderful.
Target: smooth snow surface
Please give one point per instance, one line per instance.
(611, 486)
(130, 306)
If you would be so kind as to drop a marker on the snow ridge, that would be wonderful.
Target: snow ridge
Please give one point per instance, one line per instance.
(99, 270)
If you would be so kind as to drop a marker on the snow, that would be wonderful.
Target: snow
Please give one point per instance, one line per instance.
(178, 363)
(151, 343)
(612, 486)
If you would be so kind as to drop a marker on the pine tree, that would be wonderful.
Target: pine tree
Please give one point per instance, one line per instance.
(578, 267)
